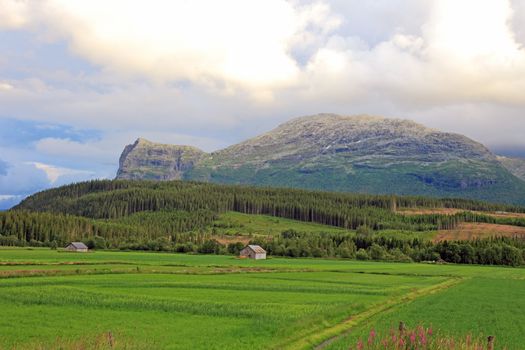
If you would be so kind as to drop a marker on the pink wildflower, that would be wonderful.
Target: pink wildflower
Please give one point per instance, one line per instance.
(394, 338)
(423, 339)
(412, 338)
(371, 337)
(372, 333)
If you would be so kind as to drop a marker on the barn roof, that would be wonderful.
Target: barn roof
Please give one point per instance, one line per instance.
(78, 245)
(257, 249)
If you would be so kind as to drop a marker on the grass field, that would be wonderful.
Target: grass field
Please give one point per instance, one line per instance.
(135, 300)
(234, 223)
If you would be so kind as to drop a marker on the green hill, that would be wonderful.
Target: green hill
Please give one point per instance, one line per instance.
(209, 218)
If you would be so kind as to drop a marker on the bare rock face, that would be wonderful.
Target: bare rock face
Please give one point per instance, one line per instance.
(365, 139)
(338, 153)
(147, 160)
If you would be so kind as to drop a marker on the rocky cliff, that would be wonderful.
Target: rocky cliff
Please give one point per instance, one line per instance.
(153, 161)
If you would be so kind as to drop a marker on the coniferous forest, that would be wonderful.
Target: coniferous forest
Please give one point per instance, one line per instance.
(177, 216)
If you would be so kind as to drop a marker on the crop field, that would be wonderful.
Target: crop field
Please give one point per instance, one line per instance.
(131, 300)
(232, 227)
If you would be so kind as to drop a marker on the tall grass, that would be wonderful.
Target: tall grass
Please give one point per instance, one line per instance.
(421, 338)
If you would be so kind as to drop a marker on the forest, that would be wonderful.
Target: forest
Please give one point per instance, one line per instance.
(179, 216)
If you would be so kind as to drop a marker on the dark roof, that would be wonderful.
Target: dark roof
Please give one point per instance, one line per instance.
(257, 249)
(78, 245)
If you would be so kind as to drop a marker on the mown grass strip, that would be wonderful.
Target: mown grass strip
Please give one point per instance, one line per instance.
(320, 339)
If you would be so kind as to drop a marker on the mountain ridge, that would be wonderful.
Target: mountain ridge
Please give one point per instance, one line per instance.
(362, 153)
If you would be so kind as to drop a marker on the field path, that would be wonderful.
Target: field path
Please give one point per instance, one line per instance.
(329, 335)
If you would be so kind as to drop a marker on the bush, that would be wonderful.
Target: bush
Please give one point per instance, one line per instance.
(377, 252)
(210, 247)
(235, 248)
(362, 255)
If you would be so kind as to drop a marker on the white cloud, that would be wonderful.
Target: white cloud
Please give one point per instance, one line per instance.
(53, 173)
(222, 45)
(4, 86)
(175, 69)
(13, 14)
(464, 50)
(5, 197)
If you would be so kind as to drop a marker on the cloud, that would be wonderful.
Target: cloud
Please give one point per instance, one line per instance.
(220, 45)
(200, 73)
(462, 55)
(53, 173)
(22, 179)
(5, 197)
(439, 52)
(13, 14)
(8, 201)
(5, 86)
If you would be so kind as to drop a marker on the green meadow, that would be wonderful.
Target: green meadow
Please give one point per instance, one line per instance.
(136, 300)
(234, 223)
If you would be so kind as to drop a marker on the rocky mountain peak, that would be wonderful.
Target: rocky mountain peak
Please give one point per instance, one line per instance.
(360, 137)
(149, 160)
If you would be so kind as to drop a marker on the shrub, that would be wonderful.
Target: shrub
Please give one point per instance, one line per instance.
(362, 254)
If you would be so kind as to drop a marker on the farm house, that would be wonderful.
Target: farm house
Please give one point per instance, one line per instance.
(77, 247)
(253, 252)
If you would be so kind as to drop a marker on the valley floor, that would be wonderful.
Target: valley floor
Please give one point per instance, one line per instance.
(132, 300)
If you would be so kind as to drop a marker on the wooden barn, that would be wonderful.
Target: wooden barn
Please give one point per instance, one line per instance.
(77, 247)
(253, 251)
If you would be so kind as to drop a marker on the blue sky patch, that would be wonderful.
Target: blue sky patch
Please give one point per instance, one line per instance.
(24, 133)
(3, 167)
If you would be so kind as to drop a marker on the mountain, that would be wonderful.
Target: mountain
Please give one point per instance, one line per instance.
(148, 160)
(515, 165)
(339, 153)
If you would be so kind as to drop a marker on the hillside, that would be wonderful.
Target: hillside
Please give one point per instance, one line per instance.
(337, 153)
(515, 165)
(186, 216)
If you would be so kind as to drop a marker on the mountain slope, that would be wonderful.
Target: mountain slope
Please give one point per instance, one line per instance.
(339, 153)
(515, 165)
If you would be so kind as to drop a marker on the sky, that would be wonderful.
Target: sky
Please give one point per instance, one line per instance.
(81, 79)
